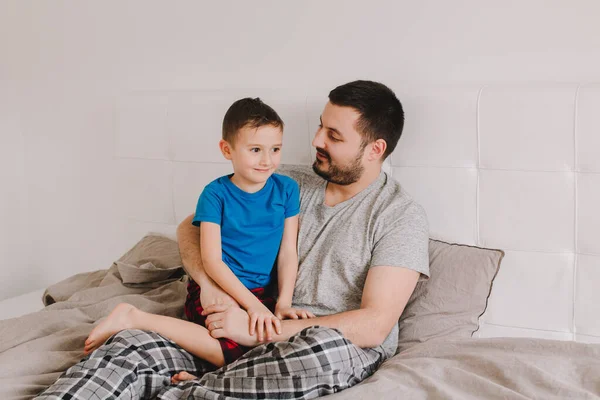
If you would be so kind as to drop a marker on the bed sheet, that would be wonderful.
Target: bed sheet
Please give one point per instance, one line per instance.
(17, 306)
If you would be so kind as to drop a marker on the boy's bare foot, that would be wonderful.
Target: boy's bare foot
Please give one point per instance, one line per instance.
(182, 376)
(117, 320)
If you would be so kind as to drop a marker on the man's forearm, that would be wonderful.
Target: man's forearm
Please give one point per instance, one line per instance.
(363, 327)
(188, 238)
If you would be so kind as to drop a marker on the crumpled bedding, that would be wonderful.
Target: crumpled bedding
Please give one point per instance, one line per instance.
(36, 348)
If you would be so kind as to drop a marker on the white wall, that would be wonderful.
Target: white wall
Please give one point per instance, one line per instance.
(64, 64)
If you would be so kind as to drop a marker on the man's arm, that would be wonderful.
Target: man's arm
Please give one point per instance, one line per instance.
(385, 294)
(188, 238)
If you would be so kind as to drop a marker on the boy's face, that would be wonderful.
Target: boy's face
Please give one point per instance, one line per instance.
(255, 154)
(340, 151)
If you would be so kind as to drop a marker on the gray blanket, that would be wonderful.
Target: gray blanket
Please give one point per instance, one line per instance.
(35, 349)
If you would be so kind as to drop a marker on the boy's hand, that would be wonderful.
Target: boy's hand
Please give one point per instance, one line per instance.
(262, 321)
(285, 311)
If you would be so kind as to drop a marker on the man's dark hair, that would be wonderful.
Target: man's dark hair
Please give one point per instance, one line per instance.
(248, 112)
(381, 113)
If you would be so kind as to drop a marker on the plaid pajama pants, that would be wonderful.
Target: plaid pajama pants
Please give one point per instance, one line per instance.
(134, 364)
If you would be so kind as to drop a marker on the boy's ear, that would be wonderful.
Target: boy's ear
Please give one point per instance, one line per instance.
(225, 149)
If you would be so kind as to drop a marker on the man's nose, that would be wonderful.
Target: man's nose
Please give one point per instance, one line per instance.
(318, 139)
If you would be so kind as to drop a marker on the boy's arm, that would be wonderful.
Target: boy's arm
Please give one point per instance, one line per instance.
(188, 238)
(287, 262)
(385, 294)
(260, 316)
(287, 271)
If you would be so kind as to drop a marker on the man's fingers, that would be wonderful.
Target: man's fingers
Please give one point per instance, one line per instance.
(215, 308)
(311, 315)
(217, 333)
(213, 317)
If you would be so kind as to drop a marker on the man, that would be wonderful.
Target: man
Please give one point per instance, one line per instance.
(362, 245)
(362, 240)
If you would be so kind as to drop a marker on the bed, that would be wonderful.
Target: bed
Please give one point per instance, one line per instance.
(516, 323)
(437, 356)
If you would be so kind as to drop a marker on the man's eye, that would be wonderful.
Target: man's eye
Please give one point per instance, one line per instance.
(333, 138)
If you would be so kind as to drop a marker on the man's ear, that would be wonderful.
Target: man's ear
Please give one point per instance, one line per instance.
(377, 150)
(225, 149)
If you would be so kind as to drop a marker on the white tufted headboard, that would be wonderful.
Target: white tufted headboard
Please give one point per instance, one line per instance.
(509, 167)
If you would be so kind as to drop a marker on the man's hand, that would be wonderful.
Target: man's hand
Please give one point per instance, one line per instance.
(225, 321)
(211, 294)
(285, 311)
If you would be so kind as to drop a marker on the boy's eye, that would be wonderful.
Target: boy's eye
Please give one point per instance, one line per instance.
(255, 149)
(276, 149)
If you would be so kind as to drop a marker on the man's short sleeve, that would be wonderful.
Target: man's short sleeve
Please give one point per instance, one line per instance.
(209, 207)
(403, 240)
(292, 205)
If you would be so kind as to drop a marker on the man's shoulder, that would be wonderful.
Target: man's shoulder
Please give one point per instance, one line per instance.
(302, 174)
(397, 201)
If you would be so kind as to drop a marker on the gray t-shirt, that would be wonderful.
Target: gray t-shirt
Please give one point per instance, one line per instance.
(380, 226)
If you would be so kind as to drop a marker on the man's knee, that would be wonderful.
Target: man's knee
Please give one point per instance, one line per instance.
(134, 338)
(320, 334)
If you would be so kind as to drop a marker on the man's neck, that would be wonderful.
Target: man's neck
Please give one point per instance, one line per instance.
(335, 194)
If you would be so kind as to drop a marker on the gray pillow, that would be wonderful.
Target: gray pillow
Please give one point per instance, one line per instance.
(451, 301)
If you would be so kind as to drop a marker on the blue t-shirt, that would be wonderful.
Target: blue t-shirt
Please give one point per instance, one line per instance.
(251, 223)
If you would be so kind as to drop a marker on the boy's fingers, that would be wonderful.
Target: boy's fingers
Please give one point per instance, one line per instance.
(260, 326)
(252, 324)
(277, 324)
(268, 328)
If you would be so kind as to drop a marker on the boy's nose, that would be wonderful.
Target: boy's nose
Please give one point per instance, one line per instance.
(265, 159)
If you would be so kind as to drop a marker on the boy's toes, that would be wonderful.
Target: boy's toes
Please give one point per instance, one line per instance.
(182, 376)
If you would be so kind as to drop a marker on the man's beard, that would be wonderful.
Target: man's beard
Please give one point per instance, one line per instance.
(339, 175)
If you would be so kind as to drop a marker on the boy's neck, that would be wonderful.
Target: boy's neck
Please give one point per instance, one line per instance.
(246, 186)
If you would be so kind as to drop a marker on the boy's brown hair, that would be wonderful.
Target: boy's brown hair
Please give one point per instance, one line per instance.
(248, 112)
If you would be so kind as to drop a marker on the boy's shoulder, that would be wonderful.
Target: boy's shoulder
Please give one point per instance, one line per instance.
(216, 185)
(283, 180)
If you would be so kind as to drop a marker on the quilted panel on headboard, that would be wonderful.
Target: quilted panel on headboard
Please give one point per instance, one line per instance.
(510, 167)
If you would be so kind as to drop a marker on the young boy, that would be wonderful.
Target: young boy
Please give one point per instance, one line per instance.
(248, 223)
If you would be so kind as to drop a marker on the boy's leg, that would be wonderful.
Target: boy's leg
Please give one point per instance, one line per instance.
(190, 336)
(131, 365)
